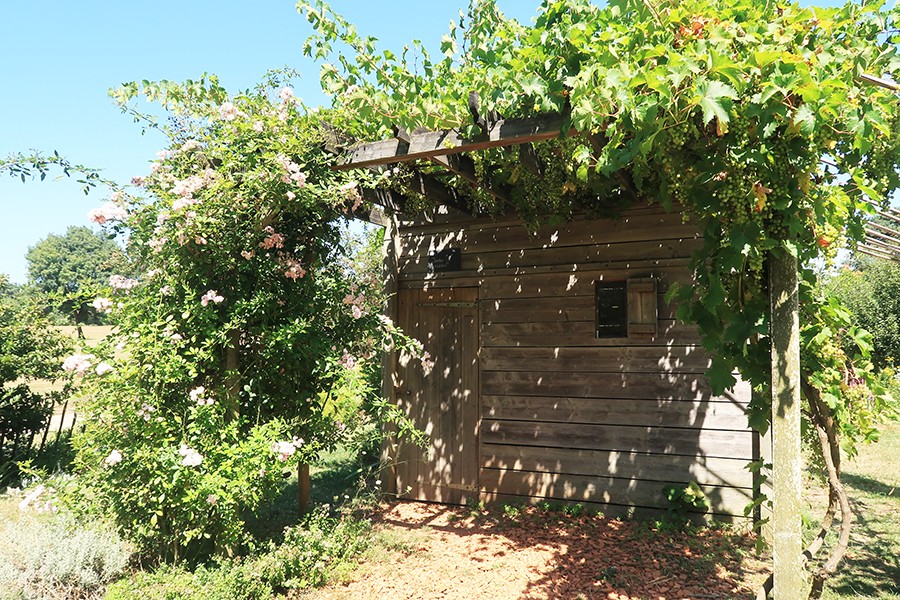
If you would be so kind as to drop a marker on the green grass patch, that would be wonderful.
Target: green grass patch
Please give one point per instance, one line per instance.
(93, 334)
(871, 567)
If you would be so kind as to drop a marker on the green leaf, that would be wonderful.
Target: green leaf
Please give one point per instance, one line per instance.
(723, 65)
(715, 294)
(805, 120)
(534, 86)
(720, 376)
(714, 98)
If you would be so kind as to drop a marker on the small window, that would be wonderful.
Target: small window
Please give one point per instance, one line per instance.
(612, 309)
(626, 308)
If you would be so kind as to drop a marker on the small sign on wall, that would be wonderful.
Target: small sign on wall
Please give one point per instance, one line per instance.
(448, 259)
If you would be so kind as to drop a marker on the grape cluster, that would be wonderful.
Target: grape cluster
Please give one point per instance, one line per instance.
(676, 161)
(882, 160)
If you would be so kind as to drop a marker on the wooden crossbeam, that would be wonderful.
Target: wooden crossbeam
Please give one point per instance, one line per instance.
(419, 183)
(891, 215)
(883, 230)
(386, 198)
(464, 167)
(876, 235)
(877, 253)
(428, 144)
(884, 247)
(879, 81)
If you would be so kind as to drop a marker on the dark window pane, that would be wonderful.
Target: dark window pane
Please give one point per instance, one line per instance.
(612, 309)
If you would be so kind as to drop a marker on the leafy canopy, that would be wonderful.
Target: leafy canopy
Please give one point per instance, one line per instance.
(70, 269)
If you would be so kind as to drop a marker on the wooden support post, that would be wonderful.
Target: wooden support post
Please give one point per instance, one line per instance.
(789, 576)
(303, 488)
(390, 276)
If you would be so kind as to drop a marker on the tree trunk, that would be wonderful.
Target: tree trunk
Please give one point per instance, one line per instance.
(824, 424)
(232, 400)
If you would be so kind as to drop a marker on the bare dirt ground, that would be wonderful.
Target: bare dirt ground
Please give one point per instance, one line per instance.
(432, 551)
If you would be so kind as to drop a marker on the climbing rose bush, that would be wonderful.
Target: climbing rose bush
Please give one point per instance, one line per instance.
(249, 343)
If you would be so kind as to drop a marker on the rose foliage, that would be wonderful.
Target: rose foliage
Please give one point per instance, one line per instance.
(248, 343)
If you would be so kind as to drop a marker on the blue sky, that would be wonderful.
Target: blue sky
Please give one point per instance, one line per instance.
(60, 57)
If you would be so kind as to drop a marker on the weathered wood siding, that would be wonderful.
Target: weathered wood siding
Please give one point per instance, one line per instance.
(565, 415)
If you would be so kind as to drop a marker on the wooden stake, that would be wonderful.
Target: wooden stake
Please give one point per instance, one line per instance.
(302, 488)
(787, 544)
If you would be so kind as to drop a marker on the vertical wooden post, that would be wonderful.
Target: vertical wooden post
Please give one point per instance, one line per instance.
(302, 488)
(789, 577)
(232, 360)
(390, 277)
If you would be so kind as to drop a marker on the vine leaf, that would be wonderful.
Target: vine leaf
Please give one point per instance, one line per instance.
(804, 120)
(715, 100)
(720, 376)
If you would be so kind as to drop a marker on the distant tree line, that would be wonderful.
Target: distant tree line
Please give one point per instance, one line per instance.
(67, 272)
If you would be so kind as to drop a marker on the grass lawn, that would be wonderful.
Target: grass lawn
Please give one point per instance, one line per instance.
(93, 334)
(871, 567)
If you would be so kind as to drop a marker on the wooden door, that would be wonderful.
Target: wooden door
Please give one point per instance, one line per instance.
(440, 399)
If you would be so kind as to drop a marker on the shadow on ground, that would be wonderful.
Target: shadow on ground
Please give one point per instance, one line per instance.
(533, 553)
(331, 478)
(871, 567)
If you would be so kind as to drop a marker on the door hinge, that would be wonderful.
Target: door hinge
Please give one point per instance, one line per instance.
(450, 304)
(460, 486)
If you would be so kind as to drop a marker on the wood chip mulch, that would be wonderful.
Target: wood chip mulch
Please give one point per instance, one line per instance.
(452, 552)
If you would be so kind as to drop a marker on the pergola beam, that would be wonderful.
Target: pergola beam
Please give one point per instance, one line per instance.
(879, 81)
(429, 144)
(885, 231)
(874, 236)
(878, 253)
(464, 167)
(893, 249)
(386, 198)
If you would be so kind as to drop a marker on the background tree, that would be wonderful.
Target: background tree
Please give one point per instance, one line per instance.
(7, 288)
(29, 349)
(870, 288)
(69, 270)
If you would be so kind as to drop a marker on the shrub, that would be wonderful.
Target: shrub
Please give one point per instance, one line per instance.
(248, 341)
(23, 414)
(684, 499)
(312, 551)
(55, 558)
(224, 582)
(180, 486)
(308, 557)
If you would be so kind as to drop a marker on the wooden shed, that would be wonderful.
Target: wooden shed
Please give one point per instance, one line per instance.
(559, 370)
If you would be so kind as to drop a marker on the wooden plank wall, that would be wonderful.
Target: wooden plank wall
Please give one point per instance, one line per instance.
(564, 415)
